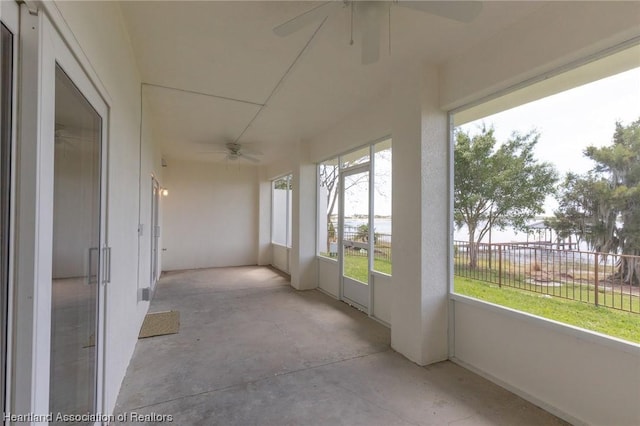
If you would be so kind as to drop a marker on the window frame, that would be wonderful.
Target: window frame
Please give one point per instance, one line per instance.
(288, 216)
(505, 93)
(370, 163)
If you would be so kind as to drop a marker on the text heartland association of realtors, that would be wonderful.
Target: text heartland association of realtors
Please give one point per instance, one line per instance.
(89, 417)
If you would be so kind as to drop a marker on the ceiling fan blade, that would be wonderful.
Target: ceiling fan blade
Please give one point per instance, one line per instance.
(250, 158)
(295, 24)
(371, 22)
(213, 152)
(251, 151)
(214, 145)
(461, 11)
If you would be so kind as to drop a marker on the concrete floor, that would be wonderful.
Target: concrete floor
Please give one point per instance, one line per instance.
(253, 351)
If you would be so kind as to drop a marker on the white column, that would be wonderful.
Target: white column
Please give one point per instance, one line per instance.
(264, 218)
(303, 226)
(420, 215)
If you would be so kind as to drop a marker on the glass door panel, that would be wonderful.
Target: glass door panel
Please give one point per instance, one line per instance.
(355, 237)
(76, 250)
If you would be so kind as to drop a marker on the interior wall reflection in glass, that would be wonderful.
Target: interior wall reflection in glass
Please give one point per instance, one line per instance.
(76, 242)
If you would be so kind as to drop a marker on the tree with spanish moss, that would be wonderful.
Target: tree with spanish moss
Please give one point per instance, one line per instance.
(603, 205)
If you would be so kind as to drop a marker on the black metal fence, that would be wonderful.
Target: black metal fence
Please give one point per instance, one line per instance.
(356, 242)
(601, 279)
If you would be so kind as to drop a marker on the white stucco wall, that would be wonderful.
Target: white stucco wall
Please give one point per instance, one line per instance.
(382, 296)
(303, 263)
(264, 223)
(329, 276)
(150, 166)
(281, 257)
(420, 202)
(584, 377)
(367, 125)
(210, 216)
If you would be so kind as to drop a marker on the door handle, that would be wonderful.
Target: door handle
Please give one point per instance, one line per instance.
(106, 255)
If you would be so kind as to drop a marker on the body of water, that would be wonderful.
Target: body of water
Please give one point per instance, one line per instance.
(383, 226)
(507, 235)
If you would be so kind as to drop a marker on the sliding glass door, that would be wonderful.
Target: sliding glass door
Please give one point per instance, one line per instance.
(74, 131)
(76, 250)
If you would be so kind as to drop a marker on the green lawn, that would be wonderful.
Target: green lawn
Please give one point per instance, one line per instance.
(569, 290)
(356, 267)
(623, 325)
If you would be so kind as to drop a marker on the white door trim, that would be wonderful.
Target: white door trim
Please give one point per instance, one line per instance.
(42, 47)
(352, 296)
(9, 17)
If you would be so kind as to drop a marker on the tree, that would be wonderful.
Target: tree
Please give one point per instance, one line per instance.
(603, 205)
(329, 178)
(500, 185)
(283, 183)
(575, 199)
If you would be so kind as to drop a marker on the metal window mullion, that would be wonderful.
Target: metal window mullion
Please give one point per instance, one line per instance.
(340, 231)
(288, 242)
(318, 217)
(286, 217)
(358, 168)
(371, 250)
(273, 199)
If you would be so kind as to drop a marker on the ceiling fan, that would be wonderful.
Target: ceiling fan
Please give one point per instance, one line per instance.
(235, 151)
(371, 14)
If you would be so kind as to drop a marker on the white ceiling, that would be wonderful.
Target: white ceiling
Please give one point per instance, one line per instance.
(214, 71)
